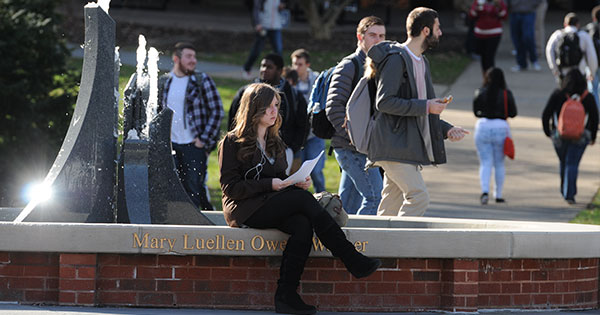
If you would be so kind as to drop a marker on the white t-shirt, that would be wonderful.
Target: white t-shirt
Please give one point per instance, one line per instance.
(176, 101)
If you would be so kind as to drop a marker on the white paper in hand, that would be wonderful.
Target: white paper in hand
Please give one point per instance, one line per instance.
(304, 171)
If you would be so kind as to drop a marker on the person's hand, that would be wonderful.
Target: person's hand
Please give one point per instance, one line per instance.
(436, 106)
(457, 133)
(198, 144)
(258, 28)
(277, 184)
(305, 184)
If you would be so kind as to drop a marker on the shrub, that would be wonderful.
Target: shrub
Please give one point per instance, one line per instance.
(37, 92)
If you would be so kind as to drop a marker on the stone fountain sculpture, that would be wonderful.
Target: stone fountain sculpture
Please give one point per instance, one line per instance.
(83, 177)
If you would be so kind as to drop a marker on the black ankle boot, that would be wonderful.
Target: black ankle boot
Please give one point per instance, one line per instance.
(287, 301)
(360, 265)
(332, 236)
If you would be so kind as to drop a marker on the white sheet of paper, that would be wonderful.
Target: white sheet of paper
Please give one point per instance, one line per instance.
(304, 171)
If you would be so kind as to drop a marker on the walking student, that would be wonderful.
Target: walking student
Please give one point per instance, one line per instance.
(570, 48)
(197, 113)
(360, 188)
(570, 150)
(408, 132)
(493, 103)
(267, 23)
(488, 17)
(252, 164)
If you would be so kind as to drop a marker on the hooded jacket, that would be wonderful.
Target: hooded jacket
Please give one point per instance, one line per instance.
(397, 135)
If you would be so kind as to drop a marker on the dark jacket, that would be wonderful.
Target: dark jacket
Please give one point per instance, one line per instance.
(396, 135)
(294, 126)
(554, 105)
(339, 92)
(242, 194)
(481, 107)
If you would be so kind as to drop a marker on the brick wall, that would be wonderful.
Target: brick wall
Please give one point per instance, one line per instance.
(29, 277)
(249, 282)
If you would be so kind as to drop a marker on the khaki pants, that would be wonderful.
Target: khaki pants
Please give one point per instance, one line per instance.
(404, 192)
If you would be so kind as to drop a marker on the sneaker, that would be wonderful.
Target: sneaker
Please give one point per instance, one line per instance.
(500, 200)
(516, 68)
(246, 75)
(536, 66)
(484, 198)
(570, 201)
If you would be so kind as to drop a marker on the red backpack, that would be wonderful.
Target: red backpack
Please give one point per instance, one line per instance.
(571, 120)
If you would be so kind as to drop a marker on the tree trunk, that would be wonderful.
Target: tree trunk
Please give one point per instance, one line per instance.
(322, 25)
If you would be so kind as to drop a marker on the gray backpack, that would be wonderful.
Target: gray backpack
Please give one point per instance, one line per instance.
(360, 110)
(361, 114)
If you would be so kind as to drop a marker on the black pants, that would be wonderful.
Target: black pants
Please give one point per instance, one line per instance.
(487, 48)
(292, 211)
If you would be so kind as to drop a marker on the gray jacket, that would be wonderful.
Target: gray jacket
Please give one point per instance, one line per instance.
(338, 94)
(397, 133)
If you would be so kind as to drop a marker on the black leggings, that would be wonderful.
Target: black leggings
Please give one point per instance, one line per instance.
(487, 49)
(292, 211)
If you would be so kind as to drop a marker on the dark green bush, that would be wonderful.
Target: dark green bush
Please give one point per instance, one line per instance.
(37, 92)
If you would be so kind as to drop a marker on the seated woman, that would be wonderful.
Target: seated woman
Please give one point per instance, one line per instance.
(252, 164)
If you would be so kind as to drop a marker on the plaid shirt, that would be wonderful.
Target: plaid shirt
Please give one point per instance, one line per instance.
(203, 107)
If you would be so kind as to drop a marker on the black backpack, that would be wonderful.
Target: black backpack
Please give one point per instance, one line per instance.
(594, 31)
(569, 52)
(317, 118)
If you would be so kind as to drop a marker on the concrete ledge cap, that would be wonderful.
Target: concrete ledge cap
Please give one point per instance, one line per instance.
(443, 239)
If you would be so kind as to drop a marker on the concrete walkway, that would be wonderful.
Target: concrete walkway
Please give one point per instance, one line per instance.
(532, 180)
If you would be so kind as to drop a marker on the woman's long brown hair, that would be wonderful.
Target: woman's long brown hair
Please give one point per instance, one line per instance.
(254, 103)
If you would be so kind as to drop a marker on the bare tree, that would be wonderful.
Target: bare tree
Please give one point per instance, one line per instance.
(321, 15)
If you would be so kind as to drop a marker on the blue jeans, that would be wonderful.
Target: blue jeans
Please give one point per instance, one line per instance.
(569, 153)
(360, 189)
(259, 43)
(522, 31)
(489, 141)
(312, 148)
(190, 162)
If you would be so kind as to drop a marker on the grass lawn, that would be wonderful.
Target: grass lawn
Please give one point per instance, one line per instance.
(591, 215)
(445, 68)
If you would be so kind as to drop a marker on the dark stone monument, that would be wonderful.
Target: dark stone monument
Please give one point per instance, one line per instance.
(149, 189)
(169, 203)
(83, 175)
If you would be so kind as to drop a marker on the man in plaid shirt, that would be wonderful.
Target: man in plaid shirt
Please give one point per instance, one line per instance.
(197, 113)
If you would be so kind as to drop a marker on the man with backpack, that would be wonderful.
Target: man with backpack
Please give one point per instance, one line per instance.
(360, 188)
(570, 120)
(594, 30)
(570, 48)
(408, 132)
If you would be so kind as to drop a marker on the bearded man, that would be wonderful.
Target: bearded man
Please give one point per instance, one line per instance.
(408, 132)
(197, 113)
